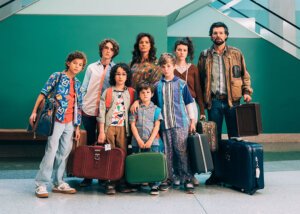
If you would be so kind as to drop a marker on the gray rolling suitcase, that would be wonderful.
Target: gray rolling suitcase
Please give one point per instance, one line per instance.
(199, 153)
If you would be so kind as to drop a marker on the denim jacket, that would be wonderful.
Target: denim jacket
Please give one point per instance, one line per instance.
(62, 95)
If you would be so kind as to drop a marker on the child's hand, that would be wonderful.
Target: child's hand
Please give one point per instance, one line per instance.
(32, 118)
(101, 137)
(77, 134)
(192, 127)
(135, 107)
(141, 144)
(148, 144)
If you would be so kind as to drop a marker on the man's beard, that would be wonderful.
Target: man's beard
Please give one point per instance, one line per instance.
(218, 43)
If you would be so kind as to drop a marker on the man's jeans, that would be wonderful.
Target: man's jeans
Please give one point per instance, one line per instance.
(219, 109)
(57, 150)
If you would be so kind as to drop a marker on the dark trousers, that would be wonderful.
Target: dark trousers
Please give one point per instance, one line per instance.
(218, 111)
(90, 125)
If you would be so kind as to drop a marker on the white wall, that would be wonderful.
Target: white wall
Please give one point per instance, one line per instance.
(198, 23)
(106, 7)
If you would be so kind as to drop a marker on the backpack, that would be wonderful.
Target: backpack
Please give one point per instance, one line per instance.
(109, 96)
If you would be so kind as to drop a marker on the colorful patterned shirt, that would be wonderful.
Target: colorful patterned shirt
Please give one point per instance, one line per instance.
(173, 96)
(118, 116)
(145, 119)
(62, 95)
(149, 71)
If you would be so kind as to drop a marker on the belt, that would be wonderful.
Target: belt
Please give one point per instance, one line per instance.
(219, 96)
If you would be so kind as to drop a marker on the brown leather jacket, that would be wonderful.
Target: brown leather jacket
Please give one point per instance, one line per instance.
(237, 77)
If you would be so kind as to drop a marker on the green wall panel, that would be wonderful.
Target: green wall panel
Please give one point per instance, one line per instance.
(35, 46)
(274, 78)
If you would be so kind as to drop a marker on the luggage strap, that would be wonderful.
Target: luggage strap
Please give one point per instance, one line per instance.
(202, 151)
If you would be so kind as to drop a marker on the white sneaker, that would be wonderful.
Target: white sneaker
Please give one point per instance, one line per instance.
(41, 192)
(176, 181)
(63, 188)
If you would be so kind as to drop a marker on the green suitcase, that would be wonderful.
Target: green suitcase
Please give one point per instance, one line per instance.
(146, 167)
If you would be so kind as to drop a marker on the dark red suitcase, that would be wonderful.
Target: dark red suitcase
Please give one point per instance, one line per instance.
(95, 162)
(248, 119)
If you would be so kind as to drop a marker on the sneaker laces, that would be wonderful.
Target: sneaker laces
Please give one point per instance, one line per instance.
(41, 189)
(64, 186)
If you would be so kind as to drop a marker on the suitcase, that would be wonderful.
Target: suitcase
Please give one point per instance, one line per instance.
(146, 167)
(248, 119)
(240, 164)
(209, 128)
(95, 162)
(199, 153)
(81, 142)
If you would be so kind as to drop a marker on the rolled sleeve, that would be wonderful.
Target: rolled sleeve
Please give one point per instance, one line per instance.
(187, 97)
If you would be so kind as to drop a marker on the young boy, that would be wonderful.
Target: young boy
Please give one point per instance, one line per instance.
(145, 125)
(95, 82)
(68, 115)
(173, 96)
(114, 128)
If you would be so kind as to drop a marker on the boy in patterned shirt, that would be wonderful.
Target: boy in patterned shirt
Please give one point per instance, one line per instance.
(68, 115)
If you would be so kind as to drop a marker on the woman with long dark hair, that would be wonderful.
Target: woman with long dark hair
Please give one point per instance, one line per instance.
(144, 65)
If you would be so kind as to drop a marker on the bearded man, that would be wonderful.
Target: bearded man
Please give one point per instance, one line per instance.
(224, 80)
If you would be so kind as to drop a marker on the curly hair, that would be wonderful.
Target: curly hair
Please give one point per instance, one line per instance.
(189, 43)
(218, 24)
(112, 76)
(144, 85)
(113, 42)
(76, 55)
(165, 58)
(136, 54)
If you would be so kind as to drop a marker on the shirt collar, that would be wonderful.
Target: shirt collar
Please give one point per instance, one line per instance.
(215, 52)
(150, 106)
(173, 80)
(100, 63)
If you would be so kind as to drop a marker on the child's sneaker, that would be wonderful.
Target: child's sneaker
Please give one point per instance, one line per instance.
(110, 189)
(124, 188)
(41, 192)
(154, 190)
(164, 186)
(189, 187)
(195, 181)
(63, 188)
(176, 181)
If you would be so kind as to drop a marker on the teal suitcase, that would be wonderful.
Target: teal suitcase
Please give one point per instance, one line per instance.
(146, 167)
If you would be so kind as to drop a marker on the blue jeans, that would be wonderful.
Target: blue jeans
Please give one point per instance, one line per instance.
(219, 109)
(135, 149)
(57, 150)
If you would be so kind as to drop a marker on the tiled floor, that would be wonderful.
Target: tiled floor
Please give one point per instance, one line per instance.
(280, 195)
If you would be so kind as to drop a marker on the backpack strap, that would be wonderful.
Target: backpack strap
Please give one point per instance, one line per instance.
(108, 97)
(156, 113)
(131, 92)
